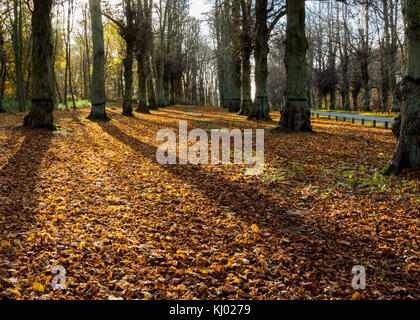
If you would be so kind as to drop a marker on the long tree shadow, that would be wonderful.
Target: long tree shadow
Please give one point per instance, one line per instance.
(19, 179)
(313, 243)
(235, 196)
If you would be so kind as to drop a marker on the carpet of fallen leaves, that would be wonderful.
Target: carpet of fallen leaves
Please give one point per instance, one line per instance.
(92, 198)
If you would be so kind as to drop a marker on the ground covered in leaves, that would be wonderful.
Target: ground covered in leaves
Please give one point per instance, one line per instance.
(92, 198)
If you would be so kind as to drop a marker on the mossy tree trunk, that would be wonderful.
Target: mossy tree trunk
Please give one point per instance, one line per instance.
(41, 113)
(296, 115)
(407, 152)
(98, 98)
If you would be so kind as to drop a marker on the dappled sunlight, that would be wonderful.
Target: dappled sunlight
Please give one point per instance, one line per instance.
(116, 219)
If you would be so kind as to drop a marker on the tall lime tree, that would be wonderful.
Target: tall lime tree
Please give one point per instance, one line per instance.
(98, 98)
(260, 110)
(407, 152)
(41, 114)
(296, 115)
(3, 61)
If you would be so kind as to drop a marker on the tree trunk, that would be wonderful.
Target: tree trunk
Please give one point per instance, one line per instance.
(151, 93)
(296, 115)
(344, 49)
(407, 152)
(355, 95)
(57, 89)
(143, 90)
(88, 80)
(260, 110)
(227, 84)
(18, 52)
(235, 102)
(246, 104)
(98, 111)
(128, 80)
(346, 91)
(2, 71)
(41, 114)
(246, 46)
(365, 81)
(333, 99)
(364, 64)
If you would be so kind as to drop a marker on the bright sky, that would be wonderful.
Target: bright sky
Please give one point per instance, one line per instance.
(198, 7)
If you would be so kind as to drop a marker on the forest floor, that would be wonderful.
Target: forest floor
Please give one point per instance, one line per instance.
(92, 198)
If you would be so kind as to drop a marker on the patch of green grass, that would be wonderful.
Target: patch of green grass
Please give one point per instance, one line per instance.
(79, 105)
(12, 105)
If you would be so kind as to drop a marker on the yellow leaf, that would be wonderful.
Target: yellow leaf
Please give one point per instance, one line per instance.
(236, 280)
(357, 296)
(38, 287)
(255, 228)
(5, 244)
(16, 292)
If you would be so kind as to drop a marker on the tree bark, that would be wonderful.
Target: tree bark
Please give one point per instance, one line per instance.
(407, 152)
(260, 110)
(41, 114)
(142, 90)
(235, 102)
(128, 80)
(151, 93)
(364, 59)
(246, 46)
(365, 80)
(18, 52)
(344, 52)
(246, 104)
(3, 58)
(98, 98)
(296, 115)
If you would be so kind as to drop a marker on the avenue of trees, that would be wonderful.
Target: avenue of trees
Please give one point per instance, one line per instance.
(349, 55)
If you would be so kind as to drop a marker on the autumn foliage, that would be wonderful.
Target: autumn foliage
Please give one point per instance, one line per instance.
(92, 198)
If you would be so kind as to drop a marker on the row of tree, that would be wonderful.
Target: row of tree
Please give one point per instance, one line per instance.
(337, 55)
(174, 65)
(355, 48)
(156, 40)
